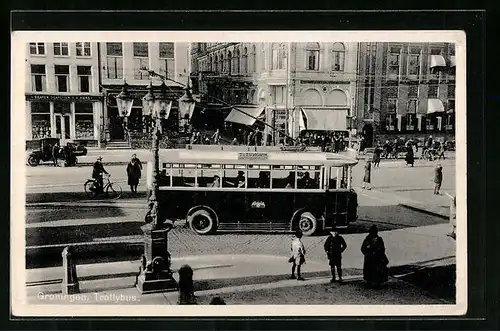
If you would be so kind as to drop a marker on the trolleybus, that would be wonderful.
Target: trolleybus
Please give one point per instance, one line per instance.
(256, 191)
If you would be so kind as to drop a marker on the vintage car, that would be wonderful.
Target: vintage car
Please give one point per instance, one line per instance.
(44, 153)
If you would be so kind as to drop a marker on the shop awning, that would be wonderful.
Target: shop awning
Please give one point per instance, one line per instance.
(453, 61)
(434, 106)
(437, 61)
(326, 119)
(237, 116)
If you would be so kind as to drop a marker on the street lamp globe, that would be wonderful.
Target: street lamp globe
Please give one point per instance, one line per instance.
(163, 104)
(186, 107)
(124, 101)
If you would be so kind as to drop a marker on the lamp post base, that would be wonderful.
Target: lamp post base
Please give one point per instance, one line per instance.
(149, 283)
(156, 275)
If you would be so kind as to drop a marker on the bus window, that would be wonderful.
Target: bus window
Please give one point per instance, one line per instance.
(209, 177)
(335, 173)
(343, 183)
(234, 178)
(165, 173)
(184, 177)
(258, 179)
(308, 179)
(283, 179)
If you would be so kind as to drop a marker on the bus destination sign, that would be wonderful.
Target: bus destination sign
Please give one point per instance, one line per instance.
(250, 156)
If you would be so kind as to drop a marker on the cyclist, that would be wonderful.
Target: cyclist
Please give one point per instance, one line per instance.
(97, 172)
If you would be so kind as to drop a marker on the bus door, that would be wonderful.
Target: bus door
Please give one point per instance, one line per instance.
(257, 203)
(282, 196)
(339, 196)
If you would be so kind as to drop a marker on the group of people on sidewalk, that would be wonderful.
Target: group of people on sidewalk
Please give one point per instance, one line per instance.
(375, 270)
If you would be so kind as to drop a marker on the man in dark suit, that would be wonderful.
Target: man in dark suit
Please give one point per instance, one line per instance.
(97, 172)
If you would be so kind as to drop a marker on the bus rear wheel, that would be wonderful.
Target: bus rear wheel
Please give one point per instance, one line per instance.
(201, 222)
(307, 224)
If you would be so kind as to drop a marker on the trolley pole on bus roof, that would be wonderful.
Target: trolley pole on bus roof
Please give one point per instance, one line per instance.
(156, 274)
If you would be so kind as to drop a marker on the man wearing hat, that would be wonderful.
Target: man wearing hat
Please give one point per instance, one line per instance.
(98, 170)
(334, 246)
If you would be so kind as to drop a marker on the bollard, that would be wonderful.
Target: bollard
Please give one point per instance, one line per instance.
(186, 286)
(70, 280)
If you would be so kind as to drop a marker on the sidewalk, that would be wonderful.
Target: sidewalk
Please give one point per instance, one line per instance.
(408, 250)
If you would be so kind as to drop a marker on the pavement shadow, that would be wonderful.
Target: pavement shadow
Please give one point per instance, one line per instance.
(64, 212)
(80, 196)
(81, 233)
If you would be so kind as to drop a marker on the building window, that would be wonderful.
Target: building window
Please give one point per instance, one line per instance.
(167, 60)
(413, 91)
(391, 122)
(216, 63)
(84, 76)
(141, 60)
(62, 78)
(37, 48)
(393, 61)
(237, 65)
(114, 60)
(411, 115)
(61, 49)
(279, 95)
(414, 59)
(338, 57)
(38, 81)
(433, 90)
(228, 61)
(83, 49)
(451, 91)
(254, 61)
(278, 56)
(436, 51)
(221, 63)
(40, 120)
(312, 54)
(244, 61)
(84, 120)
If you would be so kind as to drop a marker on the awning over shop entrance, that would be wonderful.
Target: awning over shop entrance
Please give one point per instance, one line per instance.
(326, 119)
(434, 106)
(237, 116)
(437, 61)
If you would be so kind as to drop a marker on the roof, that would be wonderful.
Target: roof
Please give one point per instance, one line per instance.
(269, 157)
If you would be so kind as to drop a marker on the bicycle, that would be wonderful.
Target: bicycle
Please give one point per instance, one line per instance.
(110, 190)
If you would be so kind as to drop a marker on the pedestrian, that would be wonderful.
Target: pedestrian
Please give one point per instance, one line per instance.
(367, 176)
(376, 156)
(441, 151)
(375, 270)
(334, 246)
(298, 256)
(438, 178)
(55, 153)
(134, 173)
(409, 157)
(215, 137)
(249, 138)
(97, 173)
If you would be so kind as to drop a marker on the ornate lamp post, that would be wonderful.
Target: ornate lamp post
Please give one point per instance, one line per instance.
(156, 275)
(186, 108)
(124, 102)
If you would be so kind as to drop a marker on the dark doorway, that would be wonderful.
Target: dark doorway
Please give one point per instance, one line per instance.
(116, 131)
(368, 135)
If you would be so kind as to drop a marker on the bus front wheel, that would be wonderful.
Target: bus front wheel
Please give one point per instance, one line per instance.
(307, 224)
(201, 222)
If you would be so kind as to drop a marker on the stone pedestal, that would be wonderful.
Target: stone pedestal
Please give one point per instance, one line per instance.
(156, 275)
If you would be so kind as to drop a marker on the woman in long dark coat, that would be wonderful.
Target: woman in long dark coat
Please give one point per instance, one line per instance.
(409, 157)
(134, 173)
(375, 270)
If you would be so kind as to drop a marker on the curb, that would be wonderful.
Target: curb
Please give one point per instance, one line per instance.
(425, 211)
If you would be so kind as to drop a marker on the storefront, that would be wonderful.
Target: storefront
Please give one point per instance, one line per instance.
(70, 118)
